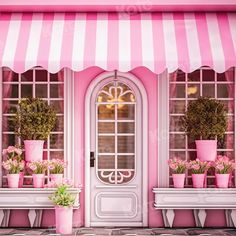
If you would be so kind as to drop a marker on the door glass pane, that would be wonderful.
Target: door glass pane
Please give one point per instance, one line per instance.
(126, 112)
(115, 104)
(106, 144)
(126, 144)
(106, 127)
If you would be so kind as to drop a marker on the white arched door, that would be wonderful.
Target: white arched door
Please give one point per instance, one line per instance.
(117, 161)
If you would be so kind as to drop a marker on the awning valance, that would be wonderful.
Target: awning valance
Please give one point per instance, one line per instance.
(119, 41)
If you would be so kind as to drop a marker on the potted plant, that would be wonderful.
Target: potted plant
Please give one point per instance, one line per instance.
(38, 168)
(14, 153)
(178, 167)
(223, 169)
(56, 168)
(64, 202)
(34, 121)
(199, 170)
(205, 121)
(13, 167)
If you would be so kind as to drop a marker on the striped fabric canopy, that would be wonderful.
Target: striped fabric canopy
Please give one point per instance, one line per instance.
(119, 41)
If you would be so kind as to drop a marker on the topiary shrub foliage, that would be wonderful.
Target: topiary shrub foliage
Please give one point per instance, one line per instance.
(34, 119)
(205, 118)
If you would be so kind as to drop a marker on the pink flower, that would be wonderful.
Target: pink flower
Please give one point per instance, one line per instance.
(195, 166)
(18, 151)
(11, 149)
(173, 166)
(220, 167)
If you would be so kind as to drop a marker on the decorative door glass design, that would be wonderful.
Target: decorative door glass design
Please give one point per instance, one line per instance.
(115, 133)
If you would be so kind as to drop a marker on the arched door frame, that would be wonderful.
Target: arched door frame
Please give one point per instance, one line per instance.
(133, 81)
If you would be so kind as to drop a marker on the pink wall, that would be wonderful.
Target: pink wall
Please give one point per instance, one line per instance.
(184, 218)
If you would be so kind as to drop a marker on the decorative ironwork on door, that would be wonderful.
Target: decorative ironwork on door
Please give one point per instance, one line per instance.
(115, 133)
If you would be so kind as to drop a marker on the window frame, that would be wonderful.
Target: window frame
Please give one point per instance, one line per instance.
(68, 129)
(163, 126)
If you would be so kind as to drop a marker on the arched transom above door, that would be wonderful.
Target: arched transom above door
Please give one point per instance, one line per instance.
(116, 133)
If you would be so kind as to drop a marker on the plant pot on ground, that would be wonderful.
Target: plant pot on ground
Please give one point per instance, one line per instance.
(33, 122)
(64, 202)
(205, 121)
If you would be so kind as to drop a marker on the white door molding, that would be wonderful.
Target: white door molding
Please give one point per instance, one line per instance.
(88, 97)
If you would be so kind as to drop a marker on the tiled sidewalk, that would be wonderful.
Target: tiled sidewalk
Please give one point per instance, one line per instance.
(123, 231)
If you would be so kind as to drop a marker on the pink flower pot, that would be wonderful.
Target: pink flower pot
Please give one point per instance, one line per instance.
(33, 150)
(222, 180)
(178, 180)
(206, 150)
(13, 180)
(56, 178)
(64, 219)
(198, 180)
(38, 180)
(21, 179)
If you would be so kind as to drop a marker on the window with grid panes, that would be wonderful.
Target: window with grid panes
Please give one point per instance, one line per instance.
(36, 82)
(185, 87)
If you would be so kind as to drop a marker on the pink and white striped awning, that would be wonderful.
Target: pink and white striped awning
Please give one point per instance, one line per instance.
(119, 41)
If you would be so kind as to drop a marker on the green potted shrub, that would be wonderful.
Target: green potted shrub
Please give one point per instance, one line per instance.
(33, 121)
(64, 202)
(205, 121)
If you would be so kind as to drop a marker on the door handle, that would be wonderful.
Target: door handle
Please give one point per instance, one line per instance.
(92, 159)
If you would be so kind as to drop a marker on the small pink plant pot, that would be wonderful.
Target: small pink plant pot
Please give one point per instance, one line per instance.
(33, 150)
(178, 180)
(13, 180)
(56, 178)
(198, 180)
(38, 180)
(64, 219)
(222, 180)
(206, 150)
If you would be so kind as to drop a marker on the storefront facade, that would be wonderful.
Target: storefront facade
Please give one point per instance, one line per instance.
(120, 80)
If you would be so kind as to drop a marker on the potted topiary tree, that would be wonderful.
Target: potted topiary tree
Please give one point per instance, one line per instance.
(34, 120)
(205, 121)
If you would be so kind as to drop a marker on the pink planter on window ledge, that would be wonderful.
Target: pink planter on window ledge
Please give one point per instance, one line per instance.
(64, 219)
(56, 178)
(206, 150)
(222, 180)
(198, 180)
(21, 179)
(33, 150)
(38, 180)
(178, 180)
(13, 180)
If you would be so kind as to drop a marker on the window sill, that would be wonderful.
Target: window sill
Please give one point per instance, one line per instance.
(170, 199)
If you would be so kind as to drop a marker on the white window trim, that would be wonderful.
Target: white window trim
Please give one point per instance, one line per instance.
(68, 123)
(163, 128)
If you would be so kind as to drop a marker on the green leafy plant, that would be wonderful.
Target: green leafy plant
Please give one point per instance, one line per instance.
(61, 197)
(34, 119)
(205, 118)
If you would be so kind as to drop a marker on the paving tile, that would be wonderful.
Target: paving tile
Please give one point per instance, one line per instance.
(167, 231)
(6, 231)
(123, 231)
